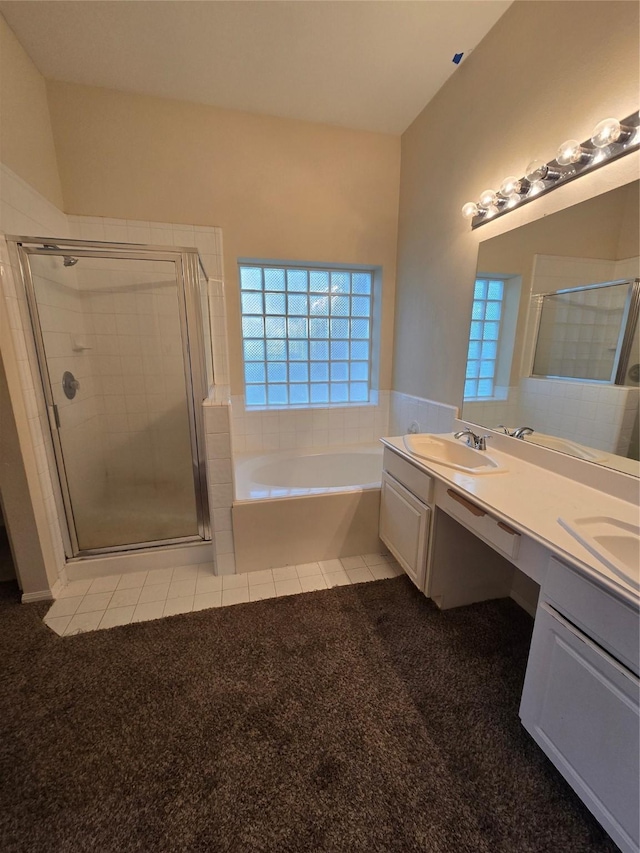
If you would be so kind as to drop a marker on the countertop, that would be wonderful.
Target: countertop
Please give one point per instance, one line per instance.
(530, 499)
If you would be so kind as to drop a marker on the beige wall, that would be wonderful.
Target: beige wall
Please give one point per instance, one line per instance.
(280, 189)
(26, 141)
(546, 72)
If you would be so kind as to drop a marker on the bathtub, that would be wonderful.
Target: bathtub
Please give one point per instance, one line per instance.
(301, 506)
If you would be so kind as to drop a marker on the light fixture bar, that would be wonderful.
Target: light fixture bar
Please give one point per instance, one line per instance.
(611, 140)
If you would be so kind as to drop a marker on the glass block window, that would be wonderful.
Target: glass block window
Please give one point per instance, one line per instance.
(306, 335)
(484, 338)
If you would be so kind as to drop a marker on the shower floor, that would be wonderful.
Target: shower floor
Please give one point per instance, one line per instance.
(138, 512)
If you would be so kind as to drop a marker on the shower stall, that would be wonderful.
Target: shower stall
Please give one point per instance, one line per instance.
(123, 343)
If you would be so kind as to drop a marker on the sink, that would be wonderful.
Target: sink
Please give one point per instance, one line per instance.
(615, 543)
(446, 450)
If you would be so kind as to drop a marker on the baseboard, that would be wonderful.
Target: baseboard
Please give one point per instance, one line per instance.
(41, 595)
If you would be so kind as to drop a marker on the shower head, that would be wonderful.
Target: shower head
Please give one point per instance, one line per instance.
(69, 261)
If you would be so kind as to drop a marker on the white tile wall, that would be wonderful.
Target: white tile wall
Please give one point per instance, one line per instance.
(254, 430)
(217, 426)
(430, 415)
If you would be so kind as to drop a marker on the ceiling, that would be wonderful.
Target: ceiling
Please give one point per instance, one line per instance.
(365, 64)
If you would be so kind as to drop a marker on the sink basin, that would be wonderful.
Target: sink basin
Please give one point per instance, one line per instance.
(446, 450)
(615, 543)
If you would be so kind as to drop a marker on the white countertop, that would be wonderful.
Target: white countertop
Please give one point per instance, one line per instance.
(531, 499)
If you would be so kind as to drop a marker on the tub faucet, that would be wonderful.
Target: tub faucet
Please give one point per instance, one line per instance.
(478, 442)
(520, 432)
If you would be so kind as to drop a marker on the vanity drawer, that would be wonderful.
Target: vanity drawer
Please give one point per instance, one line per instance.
(496, 533)
(411, 477)
(610, 622)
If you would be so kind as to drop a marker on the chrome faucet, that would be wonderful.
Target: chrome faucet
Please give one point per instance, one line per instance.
(520, 432)
(478, 442)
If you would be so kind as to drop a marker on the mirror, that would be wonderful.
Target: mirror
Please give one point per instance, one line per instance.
(554, 341)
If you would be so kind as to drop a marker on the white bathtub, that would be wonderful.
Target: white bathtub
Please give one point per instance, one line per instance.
(307, 472)
(301, 506)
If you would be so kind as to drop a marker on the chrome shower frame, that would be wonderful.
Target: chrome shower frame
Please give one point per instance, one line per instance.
(187, 262)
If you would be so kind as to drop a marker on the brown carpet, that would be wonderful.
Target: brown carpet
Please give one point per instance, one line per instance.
(354, 719)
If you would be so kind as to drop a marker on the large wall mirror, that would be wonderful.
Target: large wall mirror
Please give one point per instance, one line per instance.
(554, 340)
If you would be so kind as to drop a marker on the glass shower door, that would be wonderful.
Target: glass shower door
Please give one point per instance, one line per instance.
(113, 340)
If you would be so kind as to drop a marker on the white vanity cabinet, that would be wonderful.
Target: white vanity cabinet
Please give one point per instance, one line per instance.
(580, 700)
(405, 516)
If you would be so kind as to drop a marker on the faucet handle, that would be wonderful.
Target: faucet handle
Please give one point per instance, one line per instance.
(481, 441)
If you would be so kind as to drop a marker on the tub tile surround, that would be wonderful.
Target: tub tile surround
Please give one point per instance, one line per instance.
(288, 428)
(106, 602)
(24, 212)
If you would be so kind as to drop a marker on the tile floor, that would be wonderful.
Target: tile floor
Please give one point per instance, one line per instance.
(89, 605)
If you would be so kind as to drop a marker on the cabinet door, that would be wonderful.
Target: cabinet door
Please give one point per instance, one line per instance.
(404, 528)
(581, 707)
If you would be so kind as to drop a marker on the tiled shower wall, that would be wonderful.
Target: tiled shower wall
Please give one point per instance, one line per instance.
(24, 212)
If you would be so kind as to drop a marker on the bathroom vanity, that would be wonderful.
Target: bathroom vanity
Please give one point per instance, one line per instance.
(463, 537)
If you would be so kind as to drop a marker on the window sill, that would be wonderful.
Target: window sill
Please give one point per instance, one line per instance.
(368, 404)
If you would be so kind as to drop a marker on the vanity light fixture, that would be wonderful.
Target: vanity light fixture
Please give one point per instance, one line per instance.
(610, 140)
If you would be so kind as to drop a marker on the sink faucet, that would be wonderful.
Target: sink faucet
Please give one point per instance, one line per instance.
(478, 442)
(520, 432)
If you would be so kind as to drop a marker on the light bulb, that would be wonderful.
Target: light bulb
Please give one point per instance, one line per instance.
(487, 198)
(509, 186)
(536, 170)
(571, 152)
(470, 209)
(536, 187)
(606, 132)
(609, 131)
(491, 210)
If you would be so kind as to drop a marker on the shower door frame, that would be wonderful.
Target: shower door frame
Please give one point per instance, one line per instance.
(186, 261)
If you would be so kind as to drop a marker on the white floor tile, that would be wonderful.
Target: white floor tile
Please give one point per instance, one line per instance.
(328, 566)
(64, 606)
(125, 597)
(290, 586)
(74, 589)
(158, 576)
(208, 599)
(107, 584)
(82, 622)
(205, 569)
(306, 570)
(385, 571)
(154, 592)
(360, 575)
(340, 578)
(148, 610)
(116, 616)
(235, 596)
(234, 582)
(182, 588)
(257, 578)
(262, 590)
(208, 583)
(132, 581)
(92, 602)
(311, 582)
(285, 573)
(352, 562)
(173, 606)
(58, 623)
(184, 573)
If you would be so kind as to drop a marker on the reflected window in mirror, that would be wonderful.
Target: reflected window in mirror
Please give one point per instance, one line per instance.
(493, 324)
